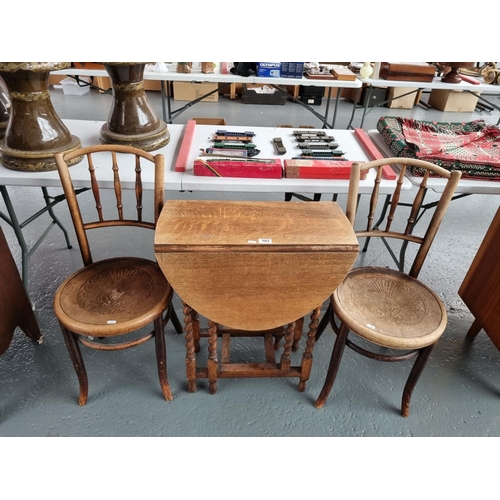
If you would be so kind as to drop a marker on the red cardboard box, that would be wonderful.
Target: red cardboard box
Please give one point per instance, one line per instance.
(266, 169)
(318, 169)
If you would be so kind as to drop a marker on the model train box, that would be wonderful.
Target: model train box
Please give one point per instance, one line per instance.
(228, 167)
(319, 169)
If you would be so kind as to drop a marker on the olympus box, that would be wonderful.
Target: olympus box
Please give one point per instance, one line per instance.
(269, 69)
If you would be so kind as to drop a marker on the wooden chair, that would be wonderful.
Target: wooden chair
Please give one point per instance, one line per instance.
(385, 307)
(15, 306)
(121, 295)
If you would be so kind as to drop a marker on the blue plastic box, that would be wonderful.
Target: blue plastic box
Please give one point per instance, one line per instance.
(292, 69)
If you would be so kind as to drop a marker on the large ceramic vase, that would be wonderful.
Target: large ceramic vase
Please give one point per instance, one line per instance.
(132, 120)
(4, 108)
(34, 131)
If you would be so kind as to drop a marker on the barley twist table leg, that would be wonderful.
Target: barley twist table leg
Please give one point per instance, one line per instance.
(190, 351)
(286, 357)
(299, 326)
(196, 330)
(307, 356)
(212, 356)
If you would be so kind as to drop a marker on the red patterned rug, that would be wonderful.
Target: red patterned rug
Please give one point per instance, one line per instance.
(480, 147)
(471, 147)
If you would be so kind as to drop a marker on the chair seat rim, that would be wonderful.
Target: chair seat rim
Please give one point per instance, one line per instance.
(109, 330)
(381, 338)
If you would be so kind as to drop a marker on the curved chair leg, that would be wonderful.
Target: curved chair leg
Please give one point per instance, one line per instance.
(161, 358)
(415, 373)
(324, 322)
(77, 360)
(338, 350)
(175, 320)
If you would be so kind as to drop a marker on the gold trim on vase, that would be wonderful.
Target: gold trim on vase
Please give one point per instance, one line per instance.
(37, 67)
(31, 96)
(127, 87)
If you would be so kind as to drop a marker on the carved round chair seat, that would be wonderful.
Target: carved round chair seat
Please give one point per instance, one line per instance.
(380, 305)
(397, 311)
(101, 299)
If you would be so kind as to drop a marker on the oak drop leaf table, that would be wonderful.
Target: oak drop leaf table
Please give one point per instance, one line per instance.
(252, 269)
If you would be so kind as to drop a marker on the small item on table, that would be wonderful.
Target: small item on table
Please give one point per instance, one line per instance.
(233, 145)
(231, 153)
(248, 146)
(319, 153)
(278, 145)
(317, 145)
(225, 135)
(341, 72)
(229, 138)
(308, 133)
(319, 73)
(321, 138)
(246, 133)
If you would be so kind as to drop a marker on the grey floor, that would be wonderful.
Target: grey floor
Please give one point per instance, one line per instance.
(458, 394)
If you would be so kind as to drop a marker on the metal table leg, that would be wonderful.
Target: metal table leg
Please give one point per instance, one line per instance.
(13, 221)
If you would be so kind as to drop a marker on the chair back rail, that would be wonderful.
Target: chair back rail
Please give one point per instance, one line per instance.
(424, 241)
(91, 153)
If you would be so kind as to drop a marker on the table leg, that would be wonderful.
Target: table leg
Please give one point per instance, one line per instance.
(17, 226)
(212, 356)
(358, 94)
(307, 356)
(190, 349)
(286, 356)
(47, 198)
(195, 322)
(299, 325)
(475, 328)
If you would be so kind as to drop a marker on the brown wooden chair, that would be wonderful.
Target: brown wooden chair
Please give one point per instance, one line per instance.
(382, 306)
(15, 307)
(121, 295)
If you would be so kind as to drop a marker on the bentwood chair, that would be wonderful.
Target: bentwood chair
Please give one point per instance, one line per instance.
(390, 308)
(114, 297)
